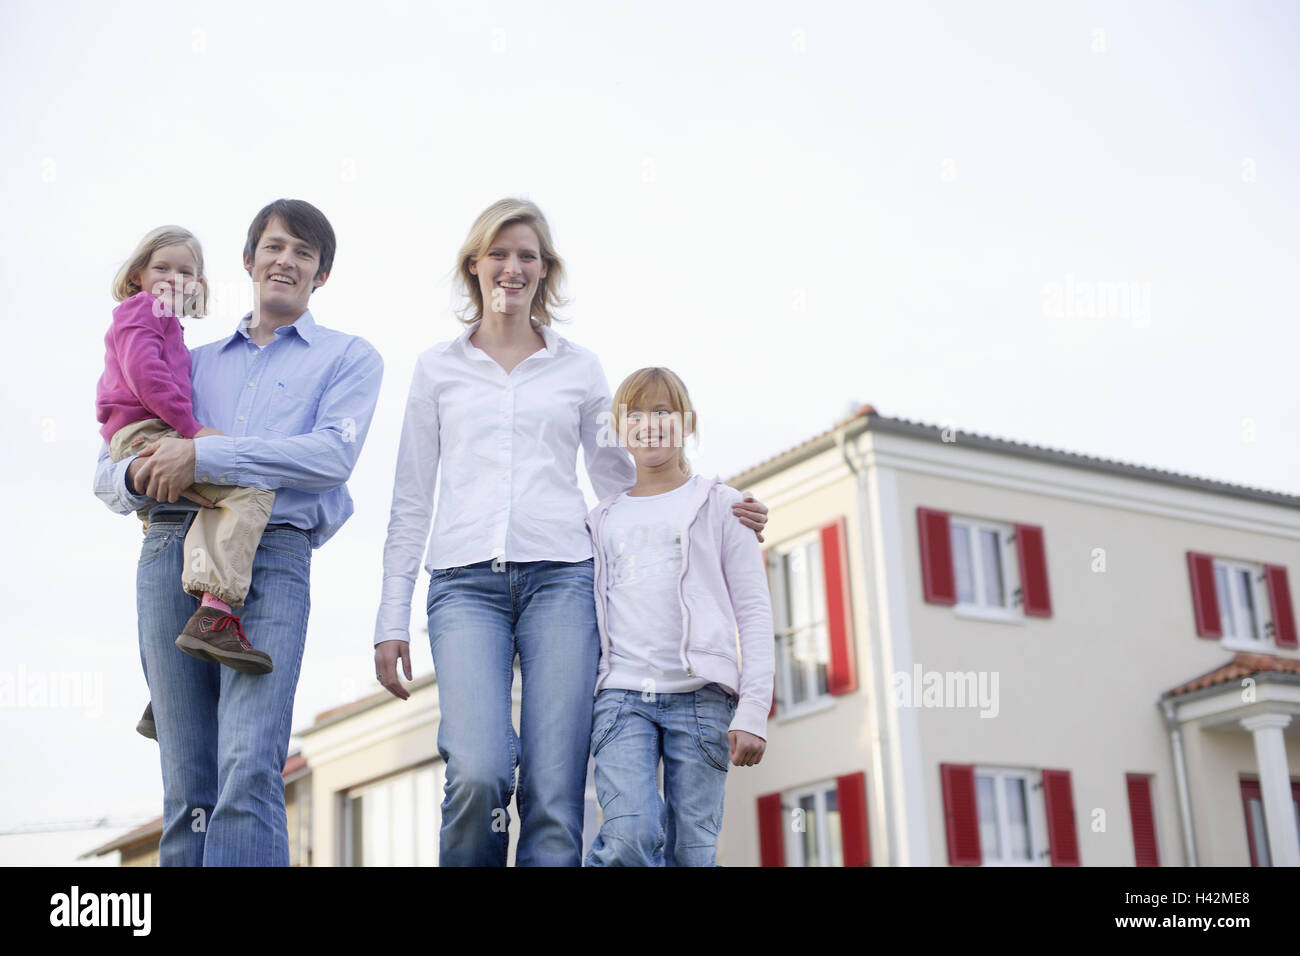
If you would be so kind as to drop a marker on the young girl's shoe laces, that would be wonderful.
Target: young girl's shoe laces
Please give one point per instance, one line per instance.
(226, 621)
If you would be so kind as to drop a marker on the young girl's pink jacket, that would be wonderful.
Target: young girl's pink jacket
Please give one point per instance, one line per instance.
(723, 584)
(146, 369)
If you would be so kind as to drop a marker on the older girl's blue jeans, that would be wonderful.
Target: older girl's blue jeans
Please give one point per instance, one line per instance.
(480, 617)
(631, 732)
(223, 735)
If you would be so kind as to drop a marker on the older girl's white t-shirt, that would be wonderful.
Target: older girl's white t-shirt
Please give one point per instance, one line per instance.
(640, 539)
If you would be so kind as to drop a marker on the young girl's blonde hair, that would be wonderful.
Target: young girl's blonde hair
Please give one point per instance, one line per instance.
(126, 283)
(490, 222)
(632, 394)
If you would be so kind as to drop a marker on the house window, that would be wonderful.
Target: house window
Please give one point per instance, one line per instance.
(814, 827)
(1009, 820)
(1256, 826)
(980, 565)
(802, 646)
(395, 821)
(1238, 587)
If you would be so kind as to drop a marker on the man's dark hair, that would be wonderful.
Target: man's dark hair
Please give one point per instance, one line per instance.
(304, 221)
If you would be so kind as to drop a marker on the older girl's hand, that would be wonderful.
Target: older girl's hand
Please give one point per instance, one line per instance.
(746, 748)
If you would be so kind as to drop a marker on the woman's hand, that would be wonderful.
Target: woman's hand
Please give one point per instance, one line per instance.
(752, 514)
(746, 748)
(387, 654)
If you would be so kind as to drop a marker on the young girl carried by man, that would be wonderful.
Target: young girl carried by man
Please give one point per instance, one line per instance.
(144, 395)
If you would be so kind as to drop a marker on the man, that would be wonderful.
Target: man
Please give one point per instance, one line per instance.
(294, 401)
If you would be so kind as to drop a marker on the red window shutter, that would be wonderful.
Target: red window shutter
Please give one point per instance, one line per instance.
(842, 674)
(771, 845)
(1279, 599)
(936, 557)
(1143, 820)
(1034, 591)
(1061, 832)
(1249, 789)
(961, 814)
(1205, 600)
(851, 797)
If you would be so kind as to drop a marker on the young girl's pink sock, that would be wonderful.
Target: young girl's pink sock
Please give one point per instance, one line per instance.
(210, 601)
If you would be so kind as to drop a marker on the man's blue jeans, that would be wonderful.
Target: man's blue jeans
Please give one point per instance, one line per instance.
(630, 733)
(223, 736)
(480, 616)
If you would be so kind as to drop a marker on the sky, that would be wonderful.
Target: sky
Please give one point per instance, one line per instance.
(1072, 224)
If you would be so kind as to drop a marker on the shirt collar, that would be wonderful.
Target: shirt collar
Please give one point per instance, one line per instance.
(549, 336)
(304, 326)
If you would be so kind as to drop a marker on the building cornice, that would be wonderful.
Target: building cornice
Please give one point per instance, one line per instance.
(868, 420)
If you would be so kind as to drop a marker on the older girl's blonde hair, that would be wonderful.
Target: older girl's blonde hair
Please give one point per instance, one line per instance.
(490, 222)
(127, 281)
(632, 394)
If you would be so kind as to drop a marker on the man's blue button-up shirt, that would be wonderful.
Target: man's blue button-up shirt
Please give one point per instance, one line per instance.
(295, 413)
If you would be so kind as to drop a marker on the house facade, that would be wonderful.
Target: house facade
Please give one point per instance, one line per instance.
(996, 654)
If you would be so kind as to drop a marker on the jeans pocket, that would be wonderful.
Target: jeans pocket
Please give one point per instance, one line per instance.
(158, 540)
(605, 715)
(289, 543)
(712, 723)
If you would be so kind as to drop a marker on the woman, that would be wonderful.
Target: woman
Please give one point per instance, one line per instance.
(502, 409)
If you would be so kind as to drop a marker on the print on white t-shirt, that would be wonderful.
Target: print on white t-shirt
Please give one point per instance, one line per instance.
(641, 544)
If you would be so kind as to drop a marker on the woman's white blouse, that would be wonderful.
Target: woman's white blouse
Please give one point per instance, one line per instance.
(507, 446)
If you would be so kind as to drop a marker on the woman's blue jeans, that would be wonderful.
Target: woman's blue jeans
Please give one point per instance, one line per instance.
(480, 617)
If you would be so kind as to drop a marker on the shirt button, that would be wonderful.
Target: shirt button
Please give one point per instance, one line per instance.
(241, 418)
(250, 385)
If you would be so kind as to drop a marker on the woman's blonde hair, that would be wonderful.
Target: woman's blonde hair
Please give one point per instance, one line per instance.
(486, 228)
(632, 394)
(126, 283)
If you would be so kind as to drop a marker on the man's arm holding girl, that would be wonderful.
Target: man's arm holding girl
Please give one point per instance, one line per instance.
(317, 461)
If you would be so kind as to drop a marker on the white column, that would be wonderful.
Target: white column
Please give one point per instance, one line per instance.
(1275, 786)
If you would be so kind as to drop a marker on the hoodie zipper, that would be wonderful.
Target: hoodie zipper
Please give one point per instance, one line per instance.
(681, 581)
(597, 550)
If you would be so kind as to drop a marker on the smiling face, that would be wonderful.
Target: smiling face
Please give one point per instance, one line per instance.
(510, 270)
(652, 429)
(284, 270)
(171, 274)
